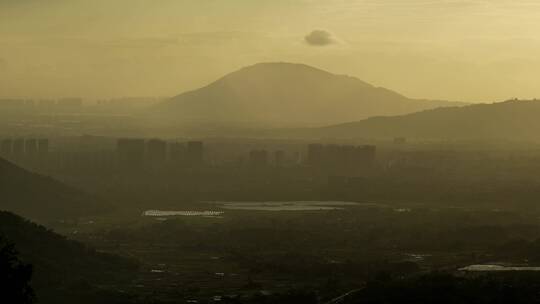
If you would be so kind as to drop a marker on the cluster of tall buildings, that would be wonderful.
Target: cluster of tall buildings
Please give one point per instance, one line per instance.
(158, 154)
(258, 158)
(340, 159)
(19, 147)
(136, 152)
(263, 158)
(62, 105)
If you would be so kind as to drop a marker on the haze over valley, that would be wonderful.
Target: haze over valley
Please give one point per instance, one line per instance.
(275, 152)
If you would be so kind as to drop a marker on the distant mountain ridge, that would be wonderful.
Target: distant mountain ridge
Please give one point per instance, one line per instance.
(509, 120)
(286, 95)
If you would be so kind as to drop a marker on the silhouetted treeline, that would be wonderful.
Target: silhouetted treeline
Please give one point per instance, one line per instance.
(64, 271)
(446, 288)
(15, 276)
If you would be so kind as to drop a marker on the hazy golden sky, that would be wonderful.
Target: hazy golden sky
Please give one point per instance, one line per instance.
(472, 50)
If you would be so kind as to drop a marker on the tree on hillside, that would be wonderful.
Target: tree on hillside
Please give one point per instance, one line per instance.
(14, 276)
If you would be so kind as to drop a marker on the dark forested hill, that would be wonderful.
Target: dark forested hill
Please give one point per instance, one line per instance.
(42, 198)
(62, 268)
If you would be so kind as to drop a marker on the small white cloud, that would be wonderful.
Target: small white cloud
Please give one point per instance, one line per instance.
(320, 38)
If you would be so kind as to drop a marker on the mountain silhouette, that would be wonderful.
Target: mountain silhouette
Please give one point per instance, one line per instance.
(286, 95)
(509, 120)
(43, 198)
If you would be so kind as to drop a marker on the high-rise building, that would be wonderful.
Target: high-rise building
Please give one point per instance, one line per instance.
(12, 104)
(400, 140)
(30, 146)
(43, 146)
(258, 158)
(195, 153)
(279, 158)
(178, 153)
(46, 105)
(156, 150)
(315, 154)
(366, 154)
(344, 160)
(130, 152)
(69, 104)
(29, 104)
(5, 147)
(17, 149)
(333, 158)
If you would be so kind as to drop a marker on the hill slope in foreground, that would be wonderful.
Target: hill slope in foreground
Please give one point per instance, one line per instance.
(65, 271)
(42, 198)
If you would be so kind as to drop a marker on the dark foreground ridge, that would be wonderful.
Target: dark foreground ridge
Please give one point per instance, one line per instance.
(65, 271)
